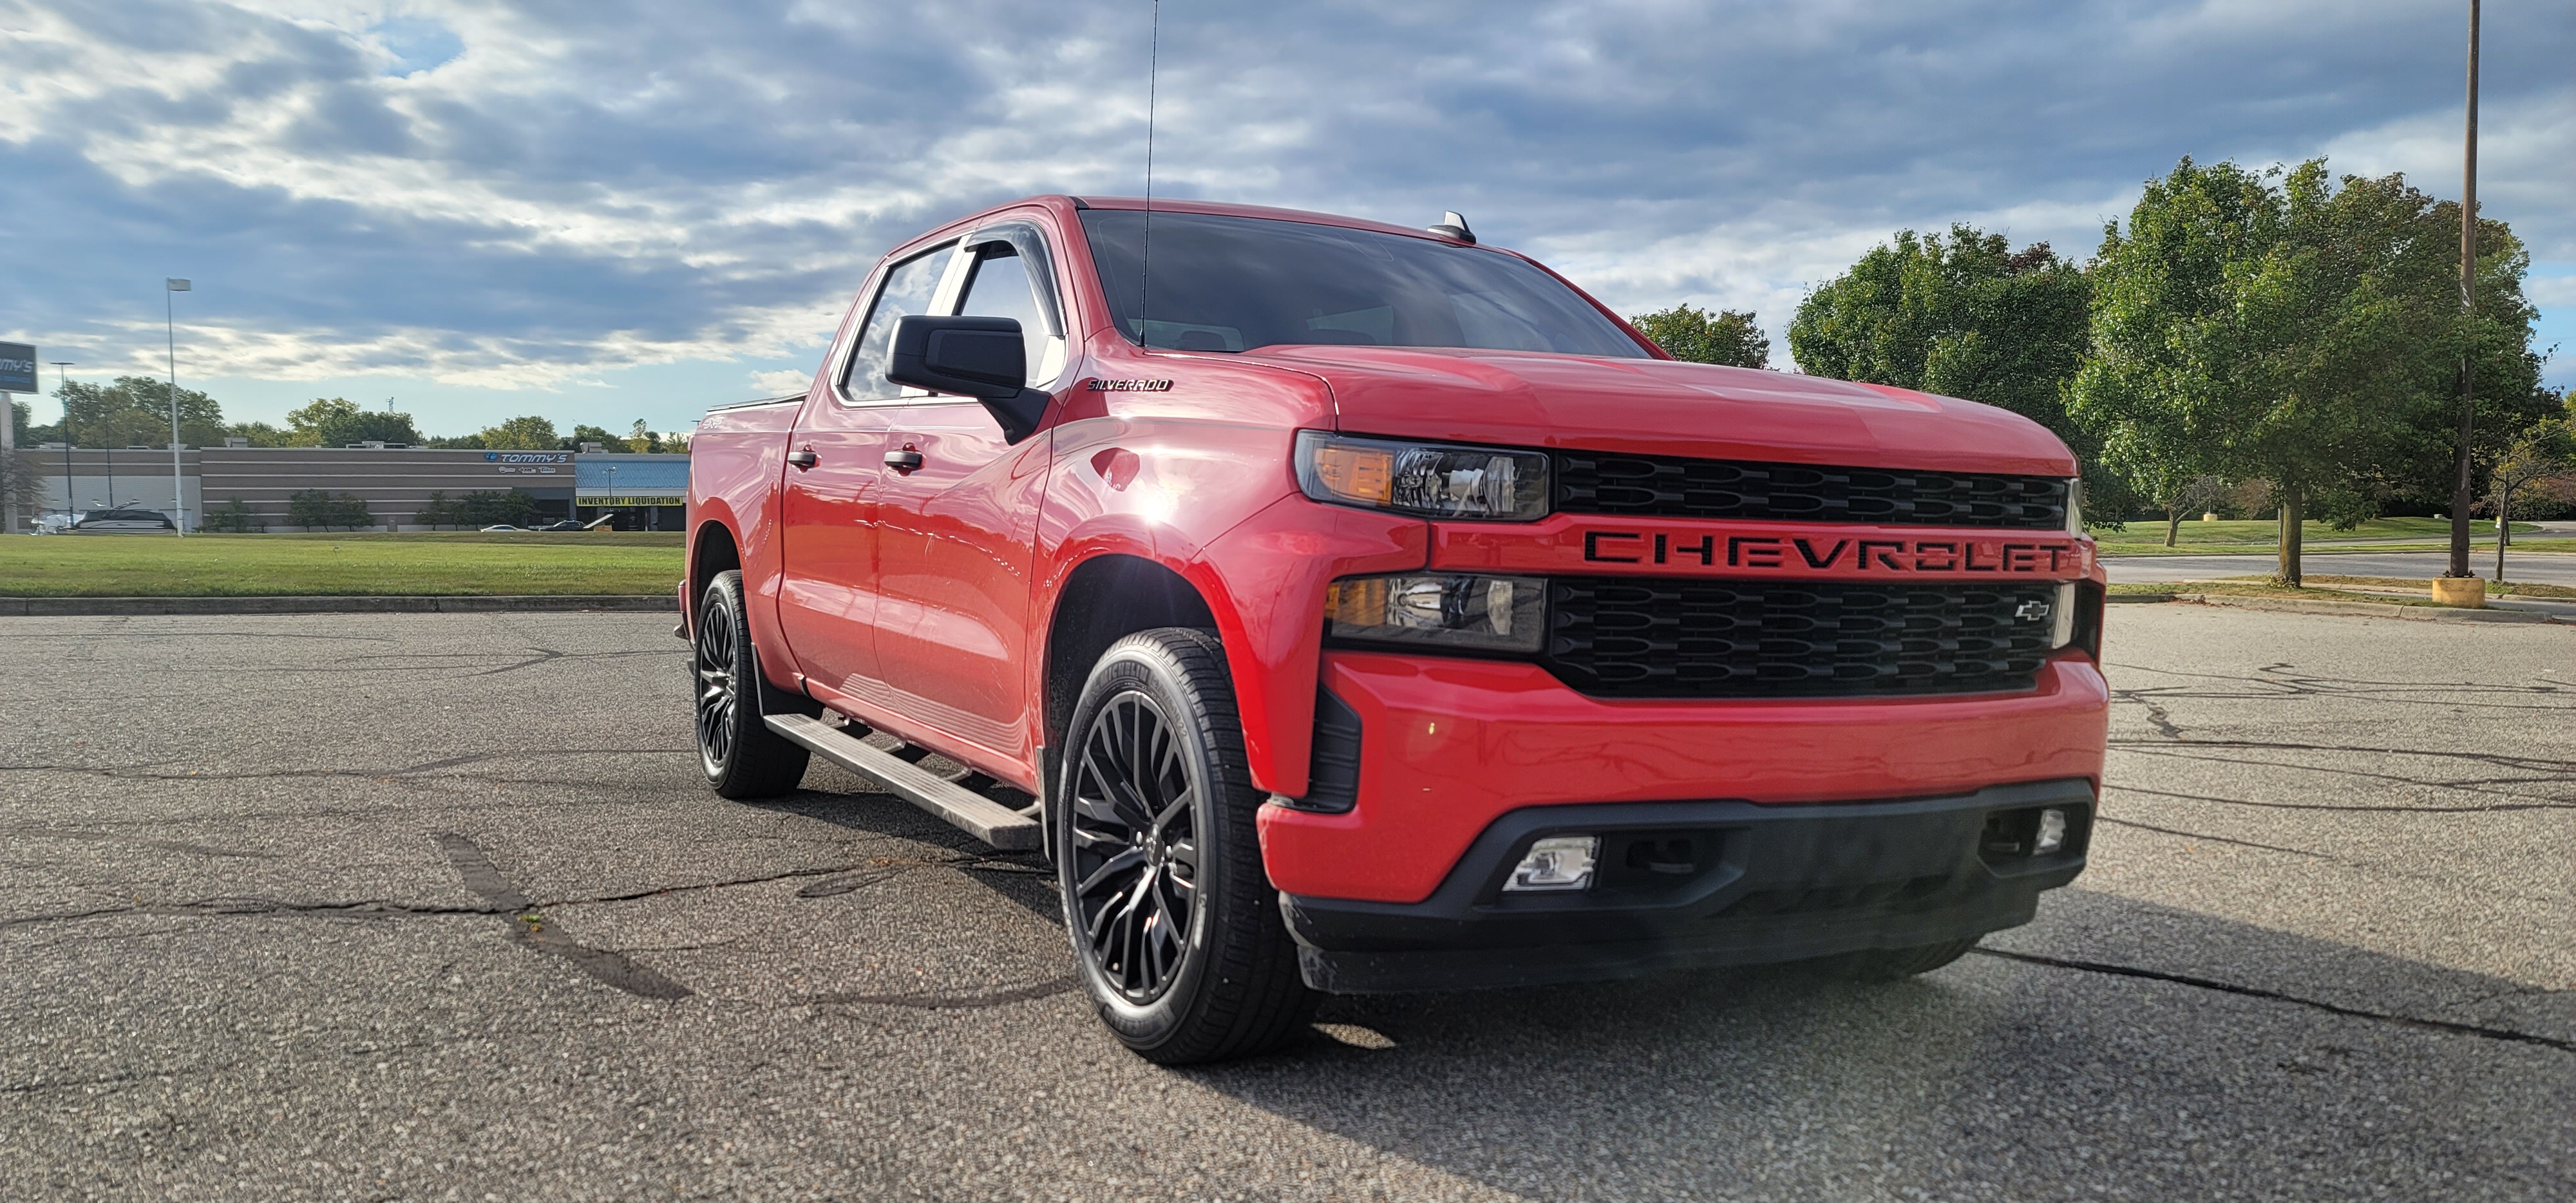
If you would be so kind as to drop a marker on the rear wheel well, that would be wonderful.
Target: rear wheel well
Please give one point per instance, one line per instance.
(712, 551)
(1107, 599)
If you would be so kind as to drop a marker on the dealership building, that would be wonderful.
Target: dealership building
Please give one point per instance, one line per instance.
(643, 492)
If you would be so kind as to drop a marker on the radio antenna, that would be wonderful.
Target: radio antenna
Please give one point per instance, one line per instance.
(1153, 71)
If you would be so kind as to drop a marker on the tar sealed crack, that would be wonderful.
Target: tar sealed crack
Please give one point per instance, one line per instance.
(529, 927)
(2480, 1031)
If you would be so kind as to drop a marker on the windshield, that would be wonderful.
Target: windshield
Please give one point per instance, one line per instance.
(1237, 283)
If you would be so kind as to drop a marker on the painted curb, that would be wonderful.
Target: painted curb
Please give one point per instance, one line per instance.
(48, 607)
(2363, 609)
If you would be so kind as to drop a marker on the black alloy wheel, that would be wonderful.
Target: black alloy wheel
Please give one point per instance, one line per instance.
(1135, 846)
(742, 757)
(1173, 922)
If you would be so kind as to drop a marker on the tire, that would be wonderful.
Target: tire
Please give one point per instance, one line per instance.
(742, 757)
(1174, 924)
(1897, 964)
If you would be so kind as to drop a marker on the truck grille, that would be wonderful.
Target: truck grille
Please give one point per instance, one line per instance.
(1658, 638)
(1589, 482)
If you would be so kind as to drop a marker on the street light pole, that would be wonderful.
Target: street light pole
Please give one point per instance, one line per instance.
(63, 390)
(170, 327)
(2461, 498)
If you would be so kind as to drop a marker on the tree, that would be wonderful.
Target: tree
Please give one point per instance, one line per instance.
(586, 433)
(2543, 454)
(1695, 335)
(231, 518)
(136, 411)
(1963, 315)
(321, 507)
(2276, 326)
(529, 433)
(337, 422)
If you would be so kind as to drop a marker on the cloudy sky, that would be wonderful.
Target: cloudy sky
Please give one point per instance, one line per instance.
(608, 211)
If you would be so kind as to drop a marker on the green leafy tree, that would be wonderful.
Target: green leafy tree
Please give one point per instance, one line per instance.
(1962, 315)
(261, 434)
(529, 433)
(456, 442)
(1695, 335)
(231, 518)
(338, 422)
(2544, 454)
(2272, 325)
(587, 433)
(489, 507)
(323, 508)
(22, 416)
(135, 410)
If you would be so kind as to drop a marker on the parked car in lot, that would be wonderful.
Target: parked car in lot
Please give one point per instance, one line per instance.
(566, 524)
(1345, 607)
(500, 526)
(123, 521)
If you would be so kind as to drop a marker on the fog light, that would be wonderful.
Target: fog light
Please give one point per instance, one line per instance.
(1559, 862)
(2052, 832)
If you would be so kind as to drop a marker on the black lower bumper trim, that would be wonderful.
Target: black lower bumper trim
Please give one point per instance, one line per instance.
(1682, 884)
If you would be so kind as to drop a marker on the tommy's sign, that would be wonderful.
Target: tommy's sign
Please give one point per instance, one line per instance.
(1801, 553)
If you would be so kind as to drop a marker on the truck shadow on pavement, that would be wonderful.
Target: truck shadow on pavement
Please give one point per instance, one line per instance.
(2204, 1052)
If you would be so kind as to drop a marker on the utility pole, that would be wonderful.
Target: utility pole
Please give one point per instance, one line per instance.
(2461, 499)
(178, 484)
(63, 390)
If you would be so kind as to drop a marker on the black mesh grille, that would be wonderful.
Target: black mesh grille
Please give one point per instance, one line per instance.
(1590, 482)
(1659, 638)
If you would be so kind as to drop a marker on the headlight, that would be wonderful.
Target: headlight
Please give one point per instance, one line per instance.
(2075, 506)
(1429, 479)
(1442, 609)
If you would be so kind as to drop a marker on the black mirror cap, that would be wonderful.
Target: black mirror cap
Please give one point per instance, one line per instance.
(979, 357)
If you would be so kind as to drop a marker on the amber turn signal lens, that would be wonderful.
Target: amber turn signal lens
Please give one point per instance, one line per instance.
(1357, 473)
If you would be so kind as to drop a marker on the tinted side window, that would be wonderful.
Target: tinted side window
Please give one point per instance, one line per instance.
(907, 291)
(1001, 288)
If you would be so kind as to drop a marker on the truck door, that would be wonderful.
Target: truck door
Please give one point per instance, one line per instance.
(828, 595)
(958, 509)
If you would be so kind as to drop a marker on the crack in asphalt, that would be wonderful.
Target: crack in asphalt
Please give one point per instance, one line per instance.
(2348, 807)
(949, 1002)
(2219, 839)
(2480, 1031)
(528, 925)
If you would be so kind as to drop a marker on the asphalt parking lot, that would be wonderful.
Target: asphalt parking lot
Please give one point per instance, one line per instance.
(435, 906)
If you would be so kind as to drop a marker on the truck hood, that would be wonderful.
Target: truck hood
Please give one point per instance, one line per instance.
(1661, 407)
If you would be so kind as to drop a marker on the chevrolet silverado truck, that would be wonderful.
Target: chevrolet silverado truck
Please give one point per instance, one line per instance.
(1344, 607)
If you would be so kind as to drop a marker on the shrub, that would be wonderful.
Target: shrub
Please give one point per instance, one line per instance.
(232, 518)
(320, 507)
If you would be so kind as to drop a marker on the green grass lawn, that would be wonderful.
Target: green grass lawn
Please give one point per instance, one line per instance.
(2224, 537)
(429, 563)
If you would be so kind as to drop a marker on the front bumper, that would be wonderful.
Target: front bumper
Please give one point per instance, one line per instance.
(1449, 746)
(1718, 883)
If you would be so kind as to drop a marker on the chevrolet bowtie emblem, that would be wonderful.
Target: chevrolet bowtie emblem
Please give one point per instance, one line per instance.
(2032, 610)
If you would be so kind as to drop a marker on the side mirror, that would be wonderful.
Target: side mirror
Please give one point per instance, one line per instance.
(979, 357)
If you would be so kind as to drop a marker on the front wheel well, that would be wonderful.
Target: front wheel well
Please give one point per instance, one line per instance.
(1107, 599)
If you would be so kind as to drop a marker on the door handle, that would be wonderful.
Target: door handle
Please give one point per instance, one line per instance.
(906, 461)
(804, 459)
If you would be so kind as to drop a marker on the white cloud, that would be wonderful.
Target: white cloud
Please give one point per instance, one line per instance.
(538, 197)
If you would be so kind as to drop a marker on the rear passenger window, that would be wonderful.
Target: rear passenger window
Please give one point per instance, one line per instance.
(907, 291)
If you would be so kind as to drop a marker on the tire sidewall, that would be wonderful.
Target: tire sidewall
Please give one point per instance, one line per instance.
(1143, 667)
(722, 602)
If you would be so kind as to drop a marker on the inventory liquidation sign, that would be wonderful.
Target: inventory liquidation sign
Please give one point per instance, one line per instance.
(17, 368)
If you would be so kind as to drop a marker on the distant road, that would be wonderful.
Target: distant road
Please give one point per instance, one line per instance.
(2538, 568)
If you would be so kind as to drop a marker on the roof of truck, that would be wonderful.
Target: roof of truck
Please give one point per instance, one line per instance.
(1164, 205)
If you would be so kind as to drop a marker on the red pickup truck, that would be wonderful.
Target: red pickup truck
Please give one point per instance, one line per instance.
(1343, 607)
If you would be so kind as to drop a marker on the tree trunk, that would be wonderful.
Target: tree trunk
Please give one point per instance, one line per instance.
(2173, 526)
(2294, 508)
(2504, 530)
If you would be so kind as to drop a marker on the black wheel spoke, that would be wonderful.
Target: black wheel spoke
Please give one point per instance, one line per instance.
(1133, 854)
